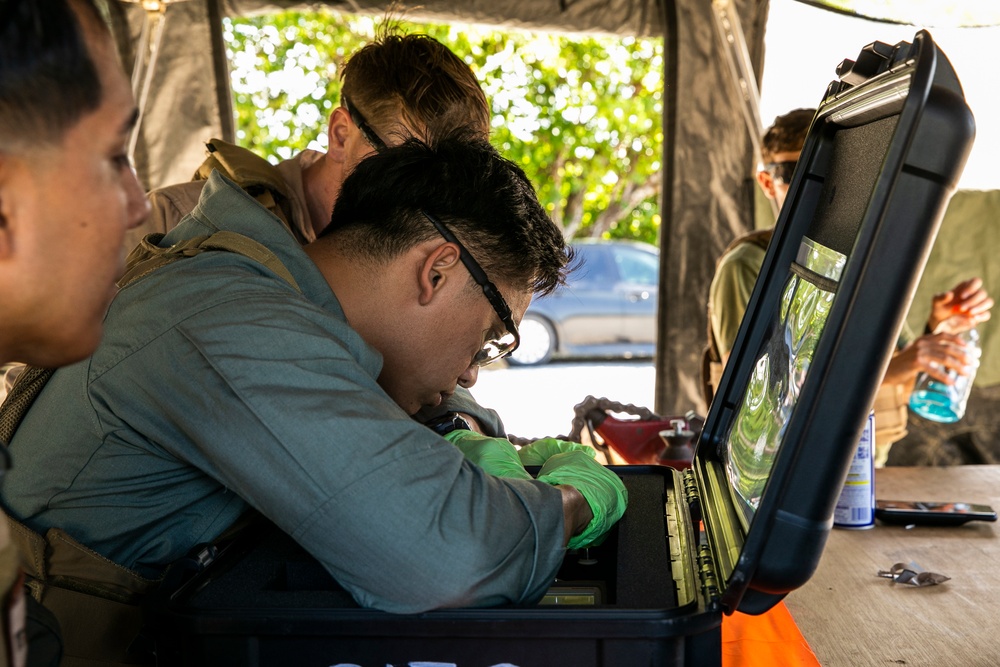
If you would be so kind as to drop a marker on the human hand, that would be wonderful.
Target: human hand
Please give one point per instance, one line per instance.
(939, 355)
(960, 308)
(603, 490)
(540, 451)
(496, 456)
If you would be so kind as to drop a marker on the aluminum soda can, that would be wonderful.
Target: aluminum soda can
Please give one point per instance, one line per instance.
(856, 505)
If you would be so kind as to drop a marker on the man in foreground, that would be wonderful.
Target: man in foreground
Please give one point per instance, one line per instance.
(67, 196)
(67, 190)
(226, 383)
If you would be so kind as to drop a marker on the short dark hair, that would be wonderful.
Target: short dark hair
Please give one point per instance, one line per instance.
(486, 201)
(415, 79)
(787, 134)
(48, 79)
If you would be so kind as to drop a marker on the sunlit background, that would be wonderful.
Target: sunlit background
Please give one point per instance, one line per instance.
(804, 44)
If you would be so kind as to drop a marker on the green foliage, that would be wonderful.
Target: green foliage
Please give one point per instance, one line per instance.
(582, 117)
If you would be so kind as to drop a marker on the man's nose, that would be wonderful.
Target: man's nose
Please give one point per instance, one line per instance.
(138, 205)
(469, 377)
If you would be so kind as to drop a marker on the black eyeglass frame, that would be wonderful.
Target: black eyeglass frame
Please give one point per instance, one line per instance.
(490, 290)
(359, 121)
(781, 171)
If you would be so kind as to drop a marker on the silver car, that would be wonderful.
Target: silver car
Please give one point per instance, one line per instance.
(607, 308)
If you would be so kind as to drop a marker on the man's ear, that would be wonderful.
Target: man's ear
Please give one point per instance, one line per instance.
(766, 182)
(438, 266)
(340, 123)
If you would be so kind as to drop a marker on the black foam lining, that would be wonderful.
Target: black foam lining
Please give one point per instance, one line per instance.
(632, 565)
(644, 579)
(847, 189)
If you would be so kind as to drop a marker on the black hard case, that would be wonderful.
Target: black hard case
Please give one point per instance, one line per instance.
(881, 160)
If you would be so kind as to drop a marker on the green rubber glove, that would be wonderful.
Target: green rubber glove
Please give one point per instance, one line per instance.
(540, 451)
(494, 455)
(602, 489)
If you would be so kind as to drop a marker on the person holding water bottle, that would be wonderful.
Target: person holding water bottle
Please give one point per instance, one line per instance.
(941, 352)
(944, 399)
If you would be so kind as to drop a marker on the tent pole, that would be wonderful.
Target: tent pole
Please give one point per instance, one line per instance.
(144, 66)
(665, 390)
(223, 88)
(734, 46)
(708, 188)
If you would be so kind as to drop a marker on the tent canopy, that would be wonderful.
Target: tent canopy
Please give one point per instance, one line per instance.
(930, 13)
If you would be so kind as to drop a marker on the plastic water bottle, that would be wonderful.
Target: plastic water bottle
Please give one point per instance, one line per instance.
(941, 402)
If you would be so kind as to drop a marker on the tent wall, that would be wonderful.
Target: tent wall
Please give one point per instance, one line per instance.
(190, 100)
(613, 17)
(966, 247)
(707, 191)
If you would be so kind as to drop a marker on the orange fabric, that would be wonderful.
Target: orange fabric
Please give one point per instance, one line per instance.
(767, 640)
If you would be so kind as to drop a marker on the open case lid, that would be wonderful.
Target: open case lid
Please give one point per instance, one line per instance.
(880, 162)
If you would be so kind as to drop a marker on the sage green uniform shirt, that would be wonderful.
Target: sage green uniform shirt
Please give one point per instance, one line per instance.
(217, 387)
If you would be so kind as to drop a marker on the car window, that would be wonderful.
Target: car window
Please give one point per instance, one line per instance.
(594, 267)
(636, 266)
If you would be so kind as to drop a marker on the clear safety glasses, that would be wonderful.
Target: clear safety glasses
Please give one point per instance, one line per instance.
(493, 348)
(781, 172)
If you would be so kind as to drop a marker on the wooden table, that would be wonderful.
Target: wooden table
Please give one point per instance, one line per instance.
(853, 618)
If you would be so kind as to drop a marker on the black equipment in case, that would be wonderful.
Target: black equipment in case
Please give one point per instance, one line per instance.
(881, 160)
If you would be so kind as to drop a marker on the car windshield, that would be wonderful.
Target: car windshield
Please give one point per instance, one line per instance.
(636, 266)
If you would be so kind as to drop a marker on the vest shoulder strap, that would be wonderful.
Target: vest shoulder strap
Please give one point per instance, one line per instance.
(148, 256)
(143, 260)
(759, 237)
(255, 175)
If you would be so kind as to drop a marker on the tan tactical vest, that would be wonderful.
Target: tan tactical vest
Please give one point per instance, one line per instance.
(256, 176)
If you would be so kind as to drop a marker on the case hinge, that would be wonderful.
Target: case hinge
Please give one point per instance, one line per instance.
(709, 578)
(692, 496)
(707, 572)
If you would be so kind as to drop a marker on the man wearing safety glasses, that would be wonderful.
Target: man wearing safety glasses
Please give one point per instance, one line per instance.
(936, 352)
(430, 90)
(224, 383)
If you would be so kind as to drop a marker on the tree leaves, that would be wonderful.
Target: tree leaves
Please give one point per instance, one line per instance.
(581, 116)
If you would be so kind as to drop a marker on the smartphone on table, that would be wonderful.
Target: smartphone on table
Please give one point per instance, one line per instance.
(931, 513)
